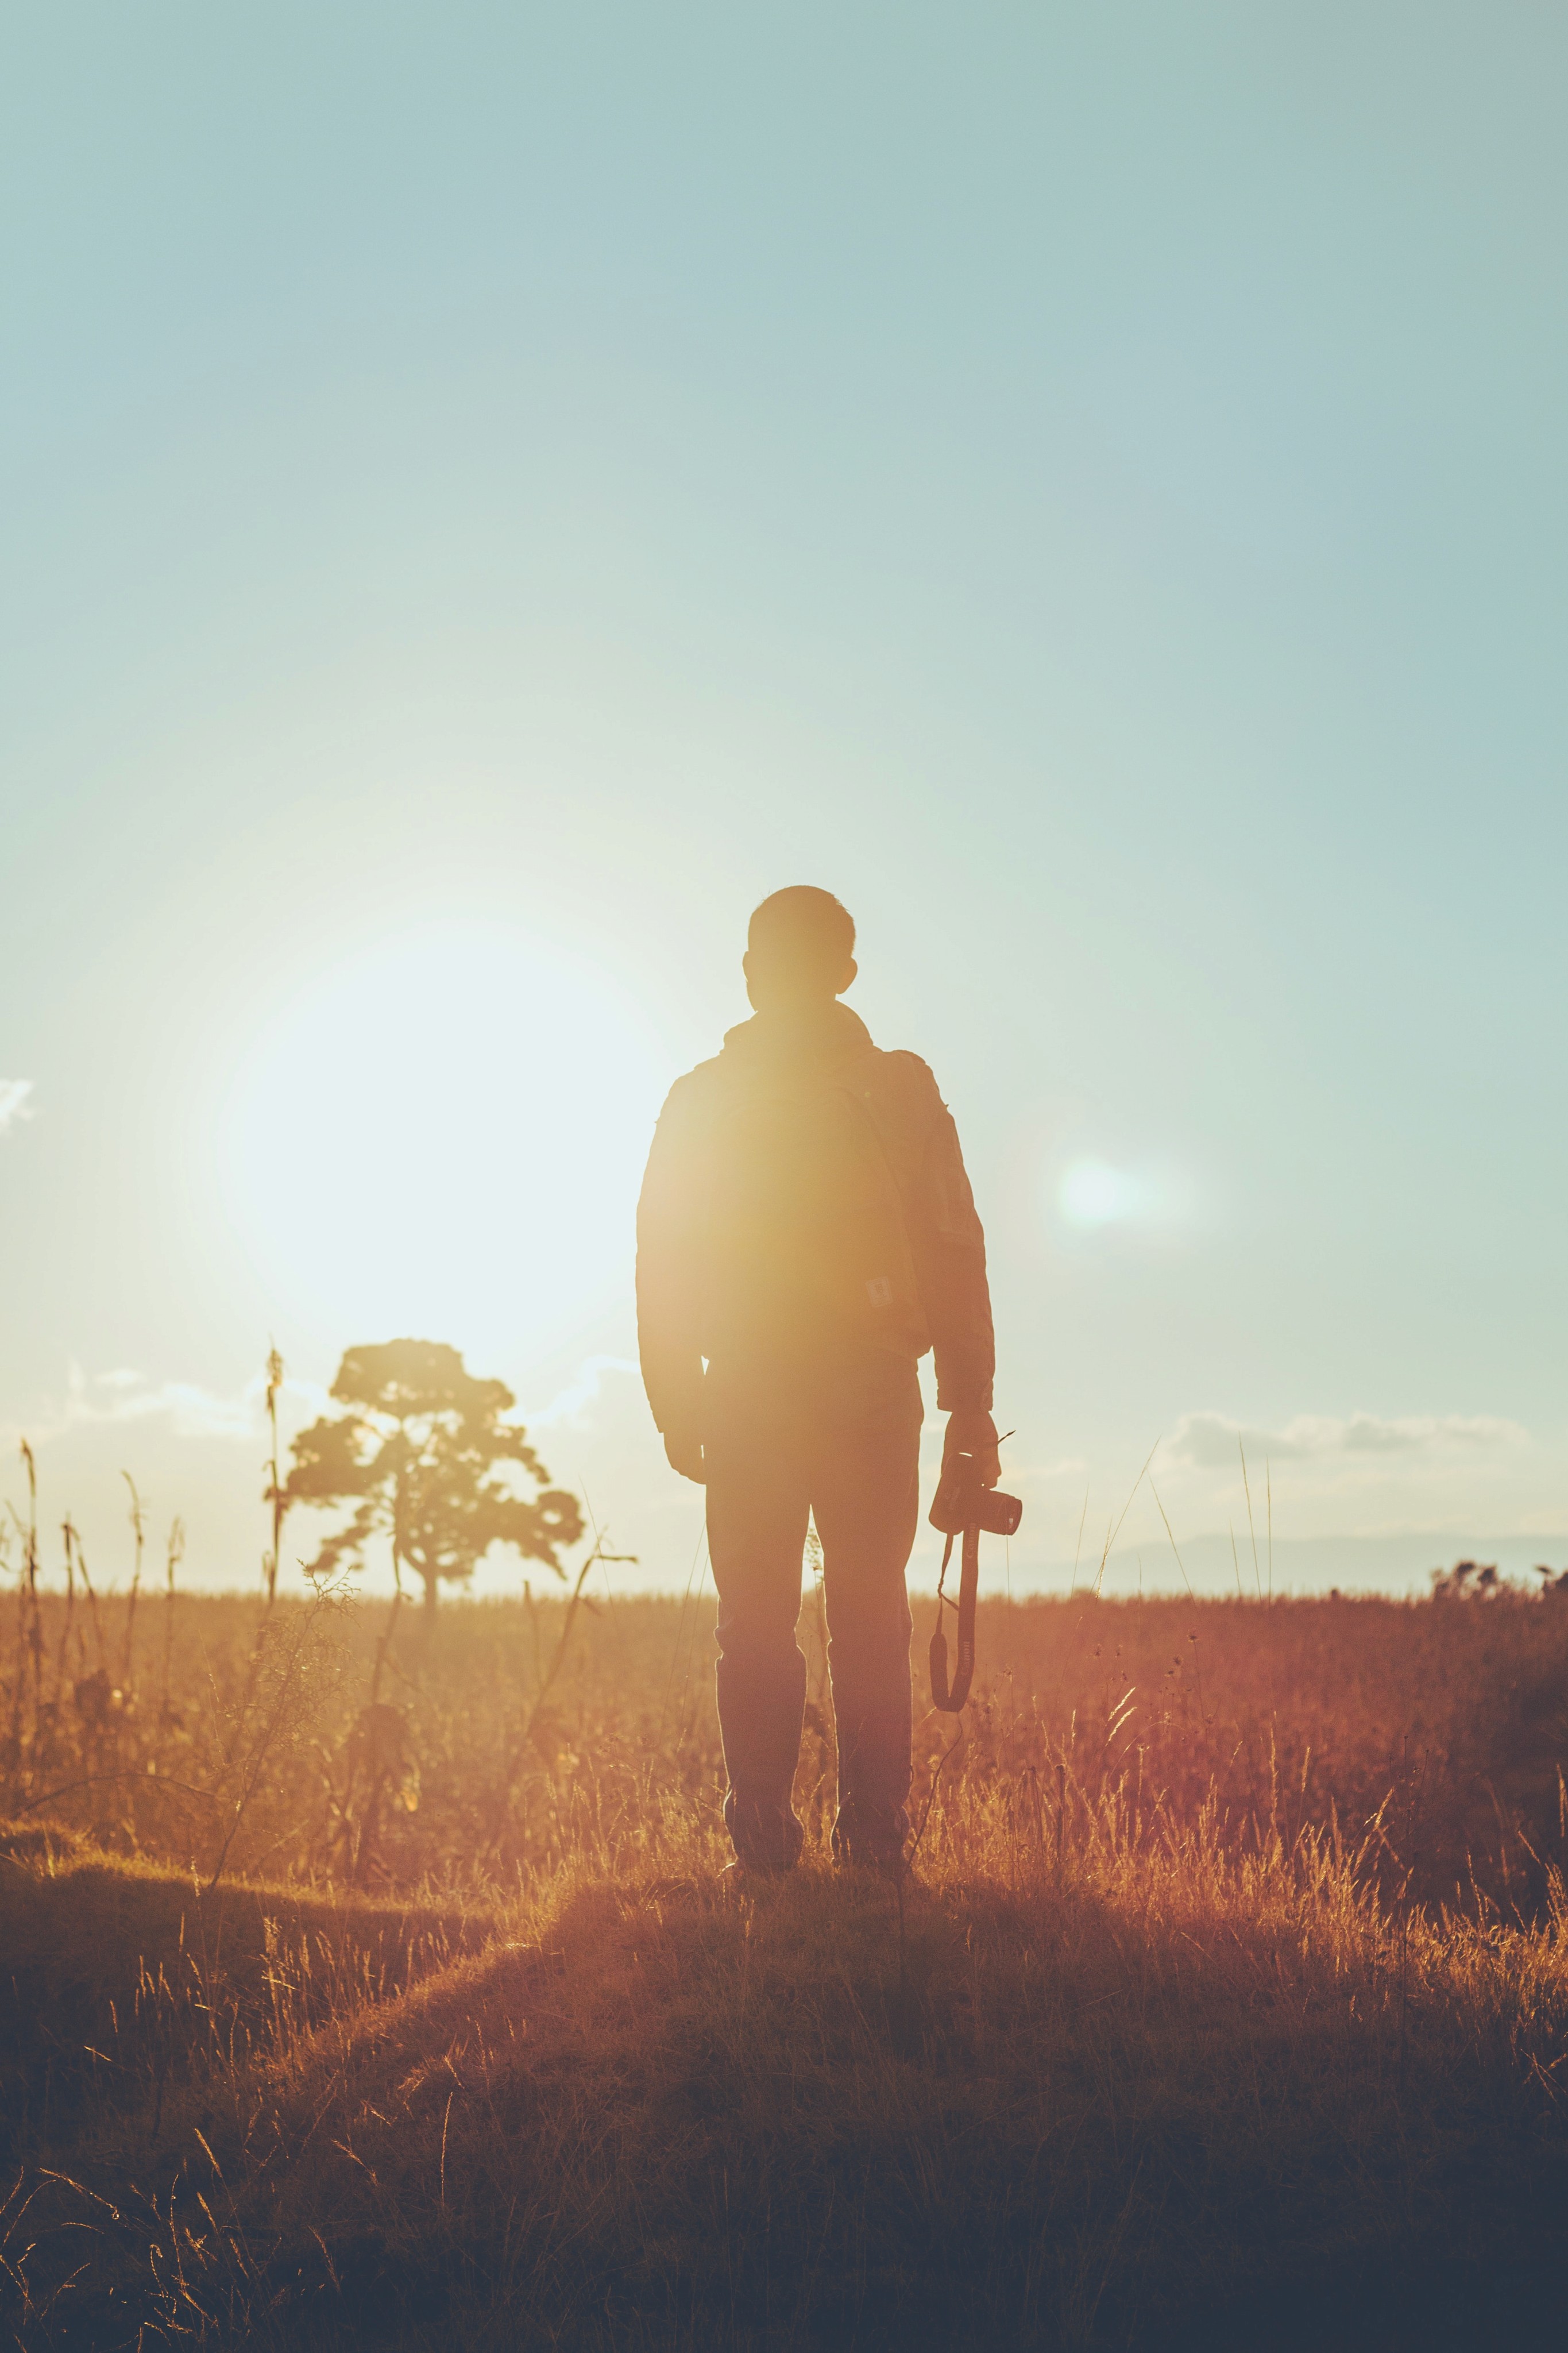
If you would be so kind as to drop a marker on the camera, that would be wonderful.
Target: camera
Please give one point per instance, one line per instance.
(963, 1503)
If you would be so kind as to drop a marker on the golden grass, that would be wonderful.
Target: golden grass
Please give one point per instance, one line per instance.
(1159, 2049)
(1068, 2101)
(493, 1755)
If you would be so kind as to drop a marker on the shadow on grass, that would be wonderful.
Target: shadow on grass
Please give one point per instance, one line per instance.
(647, 2118)
(118, 1977)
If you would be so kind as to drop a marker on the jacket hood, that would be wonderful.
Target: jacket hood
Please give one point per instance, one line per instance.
(792, 1036)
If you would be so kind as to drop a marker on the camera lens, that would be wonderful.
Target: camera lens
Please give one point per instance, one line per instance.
(1000, 1515)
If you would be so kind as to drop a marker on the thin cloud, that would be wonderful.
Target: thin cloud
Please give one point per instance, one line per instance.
(192, 1410)
(124, 1395)
(569, 1404)
(15, 1104)
(1212, 1441)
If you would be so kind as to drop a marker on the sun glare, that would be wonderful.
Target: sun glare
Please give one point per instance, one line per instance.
(1093, 1194)
(443, 1134)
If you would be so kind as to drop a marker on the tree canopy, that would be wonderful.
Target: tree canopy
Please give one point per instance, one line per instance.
(428, 1458)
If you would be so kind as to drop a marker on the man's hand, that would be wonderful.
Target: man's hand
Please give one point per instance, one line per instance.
(683, 1450)
(970, 1431)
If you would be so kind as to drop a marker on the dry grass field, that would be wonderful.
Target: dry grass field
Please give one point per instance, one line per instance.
(370, 1992)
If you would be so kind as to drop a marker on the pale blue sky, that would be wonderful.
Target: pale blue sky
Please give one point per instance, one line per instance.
(489, 492)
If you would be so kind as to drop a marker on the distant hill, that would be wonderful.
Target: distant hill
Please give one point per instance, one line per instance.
(1394, 1563)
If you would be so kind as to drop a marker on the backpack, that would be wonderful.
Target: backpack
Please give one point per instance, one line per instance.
(806, 1239)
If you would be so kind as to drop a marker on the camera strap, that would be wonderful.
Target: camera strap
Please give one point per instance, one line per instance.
(951, 1698)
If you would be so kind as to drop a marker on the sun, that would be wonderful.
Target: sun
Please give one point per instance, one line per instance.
(442, 1135)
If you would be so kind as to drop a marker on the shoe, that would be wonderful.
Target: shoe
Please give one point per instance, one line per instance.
(766, 1838)
(743, 1878)
(871, 1840)
(886, 1863)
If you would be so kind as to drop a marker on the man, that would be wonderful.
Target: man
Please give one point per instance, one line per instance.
(806, 1227)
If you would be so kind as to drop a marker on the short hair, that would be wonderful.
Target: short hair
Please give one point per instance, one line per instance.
(803, 934)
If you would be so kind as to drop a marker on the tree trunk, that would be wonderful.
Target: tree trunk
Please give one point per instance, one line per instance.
(432, 1592)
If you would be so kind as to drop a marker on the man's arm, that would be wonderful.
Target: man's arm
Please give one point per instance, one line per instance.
(670, 1212)
(949, 1246)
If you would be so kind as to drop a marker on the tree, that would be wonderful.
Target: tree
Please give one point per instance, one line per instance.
(423, 1451)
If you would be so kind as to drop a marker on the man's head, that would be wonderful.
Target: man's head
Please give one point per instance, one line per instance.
(800, 949)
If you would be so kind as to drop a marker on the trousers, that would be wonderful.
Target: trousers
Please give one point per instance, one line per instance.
(836, 1440)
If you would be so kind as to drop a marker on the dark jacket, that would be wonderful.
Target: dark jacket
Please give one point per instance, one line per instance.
(679, 1315)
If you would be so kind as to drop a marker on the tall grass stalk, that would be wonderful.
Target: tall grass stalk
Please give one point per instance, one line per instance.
(138, 1530)
(276, 1493)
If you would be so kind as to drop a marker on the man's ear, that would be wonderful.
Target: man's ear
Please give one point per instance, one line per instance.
(851, 970)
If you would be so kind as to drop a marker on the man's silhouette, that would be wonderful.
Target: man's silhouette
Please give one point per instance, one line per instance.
(806, 1227)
